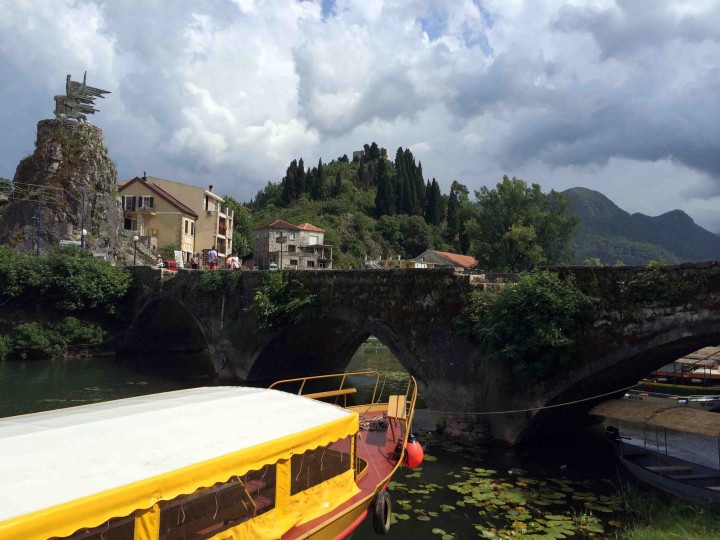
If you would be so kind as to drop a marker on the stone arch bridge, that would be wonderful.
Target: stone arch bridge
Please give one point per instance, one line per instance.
(415, 313)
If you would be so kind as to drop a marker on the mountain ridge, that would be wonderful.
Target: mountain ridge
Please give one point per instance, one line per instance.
(612, 235)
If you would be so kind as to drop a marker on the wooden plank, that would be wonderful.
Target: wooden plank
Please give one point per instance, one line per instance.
(331, 393)
(397, 407)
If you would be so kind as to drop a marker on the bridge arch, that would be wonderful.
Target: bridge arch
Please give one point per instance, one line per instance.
(324, 345)
(610, 375)
(154, 330)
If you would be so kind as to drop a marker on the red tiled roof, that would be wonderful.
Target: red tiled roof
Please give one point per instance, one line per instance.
(162, 193)
(466, 261)
(279, 224)
(310, 227)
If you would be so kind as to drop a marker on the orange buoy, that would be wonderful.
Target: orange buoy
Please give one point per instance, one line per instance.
(413, 453)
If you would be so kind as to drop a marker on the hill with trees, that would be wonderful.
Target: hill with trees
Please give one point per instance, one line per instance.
(374, 208)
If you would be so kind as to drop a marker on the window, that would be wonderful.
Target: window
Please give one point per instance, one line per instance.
(128, 202)
(130, 224)
(318, 465)
(146, 202)
(311, 264)
(114, 529)
(293, 262)
(192, 228)
(187, 225)
(291, 248)
(291, 235)
(210, 511)
(313, 240)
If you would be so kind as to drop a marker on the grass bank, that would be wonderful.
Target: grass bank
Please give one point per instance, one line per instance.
(652, 518)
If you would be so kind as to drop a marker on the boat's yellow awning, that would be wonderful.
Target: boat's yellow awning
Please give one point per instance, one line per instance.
(109, 459)
(661, 415)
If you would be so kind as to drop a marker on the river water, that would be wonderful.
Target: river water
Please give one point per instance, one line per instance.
(560, 488)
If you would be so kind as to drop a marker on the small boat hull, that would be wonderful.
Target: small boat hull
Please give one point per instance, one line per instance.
(672, 475)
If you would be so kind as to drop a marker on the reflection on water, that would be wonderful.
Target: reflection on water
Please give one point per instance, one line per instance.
(41, 385)
(558, 488)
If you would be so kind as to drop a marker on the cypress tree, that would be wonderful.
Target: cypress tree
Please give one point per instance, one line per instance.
(453, 218)
(385, 197)
(300, 179)
(337, 187)
(320, 182)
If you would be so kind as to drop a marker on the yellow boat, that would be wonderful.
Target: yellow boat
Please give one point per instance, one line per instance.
(216, 463)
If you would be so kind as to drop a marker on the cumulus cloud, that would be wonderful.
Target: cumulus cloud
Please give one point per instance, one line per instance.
(229, 93)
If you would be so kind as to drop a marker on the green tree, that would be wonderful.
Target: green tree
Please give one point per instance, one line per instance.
(517, 227)
(452, 230)
(435, 208)
(532, 326)
(337, 186)
(242, 227)
(318, 192)
(385, 197)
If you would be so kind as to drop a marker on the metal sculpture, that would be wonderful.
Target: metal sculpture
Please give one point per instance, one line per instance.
(79, 100)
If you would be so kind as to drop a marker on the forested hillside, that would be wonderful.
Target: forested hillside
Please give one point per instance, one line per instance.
(612, 235)
(369, 207)
(372, 207)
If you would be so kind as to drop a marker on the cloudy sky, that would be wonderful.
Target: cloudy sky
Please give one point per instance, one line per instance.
(617, 96)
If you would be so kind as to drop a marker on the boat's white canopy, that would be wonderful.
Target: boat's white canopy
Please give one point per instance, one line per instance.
(51, 458)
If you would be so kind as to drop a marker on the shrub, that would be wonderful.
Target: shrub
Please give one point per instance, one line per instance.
(37, 341)
(279, 300)
(653, 284)
(533, 325)
(76, 281)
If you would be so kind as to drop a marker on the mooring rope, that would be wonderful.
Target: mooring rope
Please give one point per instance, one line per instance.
(566, 404)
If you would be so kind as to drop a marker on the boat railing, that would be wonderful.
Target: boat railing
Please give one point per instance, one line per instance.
(338, 385)
(327, 386)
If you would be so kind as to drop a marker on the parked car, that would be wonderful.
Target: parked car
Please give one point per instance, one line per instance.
(273, 266)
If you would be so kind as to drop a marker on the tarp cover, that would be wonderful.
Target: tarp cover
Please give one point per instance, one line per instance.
(134, 452)
(658, 415)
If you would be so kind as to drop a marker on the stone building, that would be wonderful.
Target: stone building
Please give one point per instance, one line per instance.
(299, 247)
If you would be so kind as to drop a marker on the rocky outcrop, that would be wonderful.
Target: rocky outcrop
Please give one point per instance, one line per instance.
(67, 184)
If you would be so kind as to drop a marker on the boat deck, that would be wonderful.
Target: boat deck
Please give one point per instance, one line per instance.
(376, 446)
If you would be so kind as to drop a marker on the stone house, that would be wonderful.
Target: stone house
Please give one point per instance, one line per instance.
(299, 247)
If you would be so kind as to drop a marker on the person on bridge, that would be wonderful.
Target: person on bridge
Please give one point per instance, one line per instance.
(212, 258)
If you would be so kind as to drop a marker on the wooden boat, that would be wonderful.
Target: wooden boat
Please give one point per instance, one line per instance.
(651, 459)
(218, 463)
(696, 373)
